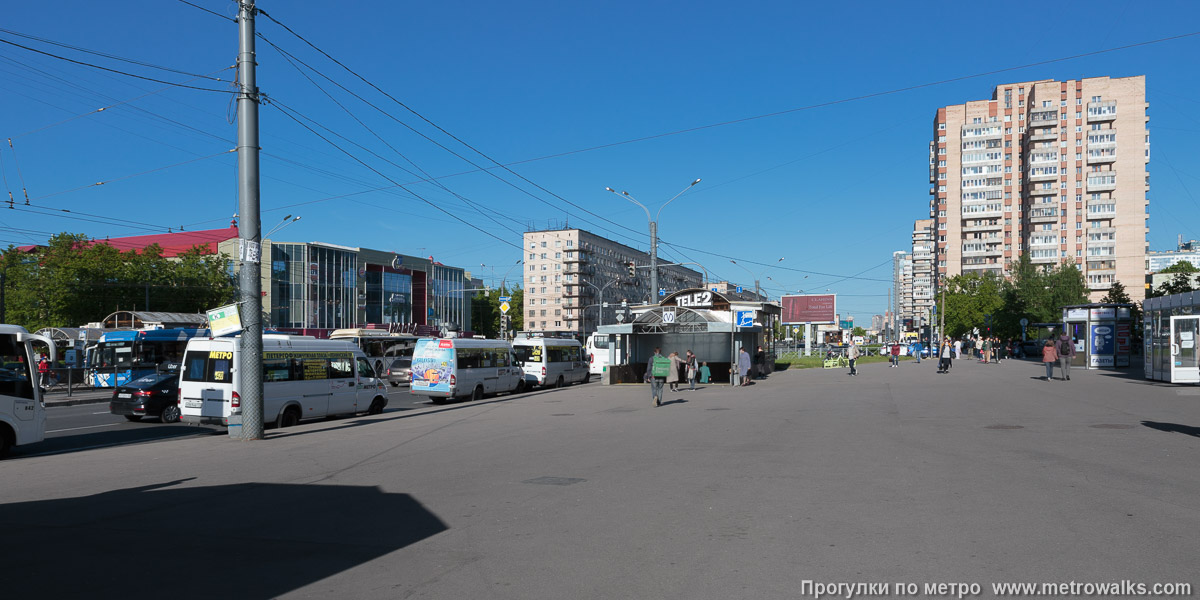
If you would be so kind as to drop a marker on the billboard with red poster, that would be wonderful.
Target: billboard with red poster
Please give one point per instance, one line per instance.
(809, 308)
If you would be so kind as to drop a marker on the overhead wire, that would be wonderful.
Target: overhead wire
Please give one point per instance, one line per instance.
(117, 71)
(286, 111)
(115, 179)
(109, 56)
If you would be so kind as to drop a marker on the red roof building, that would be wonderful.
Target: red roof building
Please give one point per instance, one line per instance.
(174, 244)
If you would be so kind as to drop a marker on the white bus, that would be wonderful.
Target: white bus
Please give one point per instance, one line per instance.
(448, 368)
(303, 378)
(597, 352)
(551, 362)
(380, 346)
(22, 409)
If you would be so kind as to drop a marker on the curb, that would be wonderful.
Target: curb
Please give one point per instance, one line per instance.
(76, 401)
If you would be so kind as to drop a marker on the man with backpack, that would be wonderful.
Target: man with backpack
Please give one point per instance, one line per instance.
(1066, 352)
(657, 370)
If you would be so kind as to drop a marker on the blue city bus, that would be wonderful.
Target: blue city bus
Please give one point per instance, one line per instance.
(128, 355)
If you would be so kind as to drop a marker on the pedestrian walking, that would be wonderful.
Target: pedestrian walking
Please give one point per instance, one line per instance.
(957, 348)
(1049, 356)
(689, 364)
(657, 369)
(743, 367)
(945, 355)
(43, 367)
(917, 348)
(895, 352)
(705, 373)
(1066, 353)
(673, 377)
(985, 350)
(760, 364)
(852, 353)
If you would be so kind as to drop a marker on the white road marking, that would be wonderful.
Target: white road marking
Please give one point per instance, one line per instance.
(87, 427)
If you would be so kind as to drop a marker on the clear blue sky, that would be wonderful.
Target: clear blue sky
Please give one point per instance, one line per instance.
(833, 189)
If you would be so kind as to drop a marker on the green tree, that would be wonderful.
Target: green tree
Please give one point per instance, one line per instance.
(858, 331)
(968, 298)
(1182, 266)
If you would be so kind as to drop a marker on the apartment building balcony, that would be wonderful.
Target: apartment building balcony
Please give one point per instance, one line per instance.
(975, 228)
(1042, 260)
(1102, 183)
(1043, 118)
(1043, 191)
(982, 214)
(1042, 176)
(995, 250)
(1045, 134)
(1102, 155)
(1104, 138)
(1091, 230)
(578, 291)
(1104, 271)
(1101, 111)
(576, 257)
(1043, 215)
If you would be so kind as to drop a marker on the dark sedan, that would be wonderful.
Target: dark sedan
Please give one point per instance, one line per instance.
(151, 395)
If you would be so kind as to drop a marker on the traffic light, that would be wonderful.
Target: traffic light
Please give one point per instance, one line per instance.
(632, 269)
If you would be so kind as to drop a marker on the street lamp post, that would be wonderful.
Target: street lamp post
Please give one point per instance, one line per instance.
(288, 220)
(600, 290)
(653, 234)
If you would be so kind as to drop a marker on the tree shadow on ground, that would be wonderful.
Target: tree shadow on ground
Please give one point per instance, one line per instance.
(252, 540)
(1173, 428)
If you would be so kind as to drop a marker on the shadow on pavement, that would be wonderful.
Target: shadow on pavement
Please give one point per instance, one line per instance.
(254, 540)
(64, 444)
(675, 401)
(1173, 428)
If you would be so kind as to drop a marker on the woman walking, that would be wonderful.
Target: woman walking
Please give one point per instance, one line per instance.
(692, 370)
(1049, 356)
(945, 355)
(673, 377)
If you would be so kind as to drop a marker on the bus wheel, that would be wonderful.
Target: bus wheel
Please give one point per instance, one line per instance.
(170, 413)
(477, 394)
(376, 407)
(134, 418)
(289, 418)
(559, 382)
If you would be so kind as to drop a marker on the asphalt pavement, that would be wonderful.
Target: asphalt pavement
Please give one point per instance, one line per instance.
(984, 475)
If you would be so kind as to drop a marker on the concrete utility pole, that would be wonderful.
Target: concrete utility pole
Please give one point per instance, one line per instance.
(249, 230)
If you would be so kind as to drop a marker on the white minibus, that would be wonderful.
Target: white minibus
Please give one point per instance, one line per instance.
(303, 378)
(447, 368)
(597, 352)
(22, 409)
(550, 361)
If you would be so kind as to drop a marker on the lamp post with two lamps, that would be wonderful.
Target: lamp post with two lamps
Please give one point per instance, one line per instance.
(757, 287)
(653, 233)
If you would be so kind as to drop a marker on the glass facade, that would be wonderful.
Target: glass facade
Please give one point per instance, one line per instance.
(1171, 337)
(327, 287)
(389, 297)
(313, 286)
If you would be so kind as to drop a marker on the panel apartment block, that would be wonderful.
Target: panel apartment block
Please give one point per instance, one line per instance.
(565, 270)
(1053, 169)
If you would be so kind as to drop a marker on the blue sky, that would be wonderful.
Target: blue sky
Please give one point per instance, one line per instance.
(833, 189)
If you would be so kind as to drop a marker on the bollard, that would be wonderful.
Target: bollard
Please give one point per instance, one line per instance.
(70, 372)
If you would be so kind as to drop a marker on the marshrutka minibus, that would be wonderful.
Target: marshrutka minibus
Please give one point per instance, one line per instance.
(22, 408)
(303, 378)
(551, 361)
(448, 368)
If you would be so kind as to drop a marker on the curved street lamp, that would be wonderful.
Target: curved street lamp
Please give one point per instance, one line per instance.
(653, 233)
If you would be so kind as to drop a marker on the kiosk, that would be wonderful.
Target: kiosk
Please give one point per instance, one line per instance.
(1103, 334)
(1171, 334)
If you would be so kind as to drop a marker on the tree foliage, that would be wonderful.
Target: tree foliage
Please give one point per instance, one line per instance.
(1035, 292)
(72, 281)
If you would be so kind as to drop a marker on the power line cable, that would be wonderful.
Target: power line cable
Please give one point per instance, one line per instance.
(288, 113)
(109, 56)
(211, 12)
(123, 177)
(16, 162)
(445, 132)
(117, 71)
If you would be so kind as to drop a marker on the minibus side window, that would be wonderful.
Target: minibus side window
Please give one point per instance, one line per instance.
(364, 369)
(308, 369)
(341, 367)
(468, 358)
(276, 369)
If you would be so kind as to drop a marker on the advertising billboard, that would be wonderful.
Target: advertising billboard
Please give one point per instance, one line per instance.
(810, 308)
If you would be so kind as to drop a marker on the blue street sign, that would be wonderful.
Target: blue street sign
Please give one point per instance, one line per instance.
(739, 289)
(662, 291)
(745, 318)
(716, 290)
(505, 298)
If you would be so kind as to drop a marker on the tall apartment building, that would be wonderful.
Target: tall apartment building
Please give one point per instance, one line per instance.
(901, 287)
(565, 269)
(924, 244)
(1053, 169)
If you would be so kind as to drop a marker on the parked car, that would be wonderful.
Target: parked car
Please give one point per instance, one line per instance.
(399, 373)
(152, 395)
